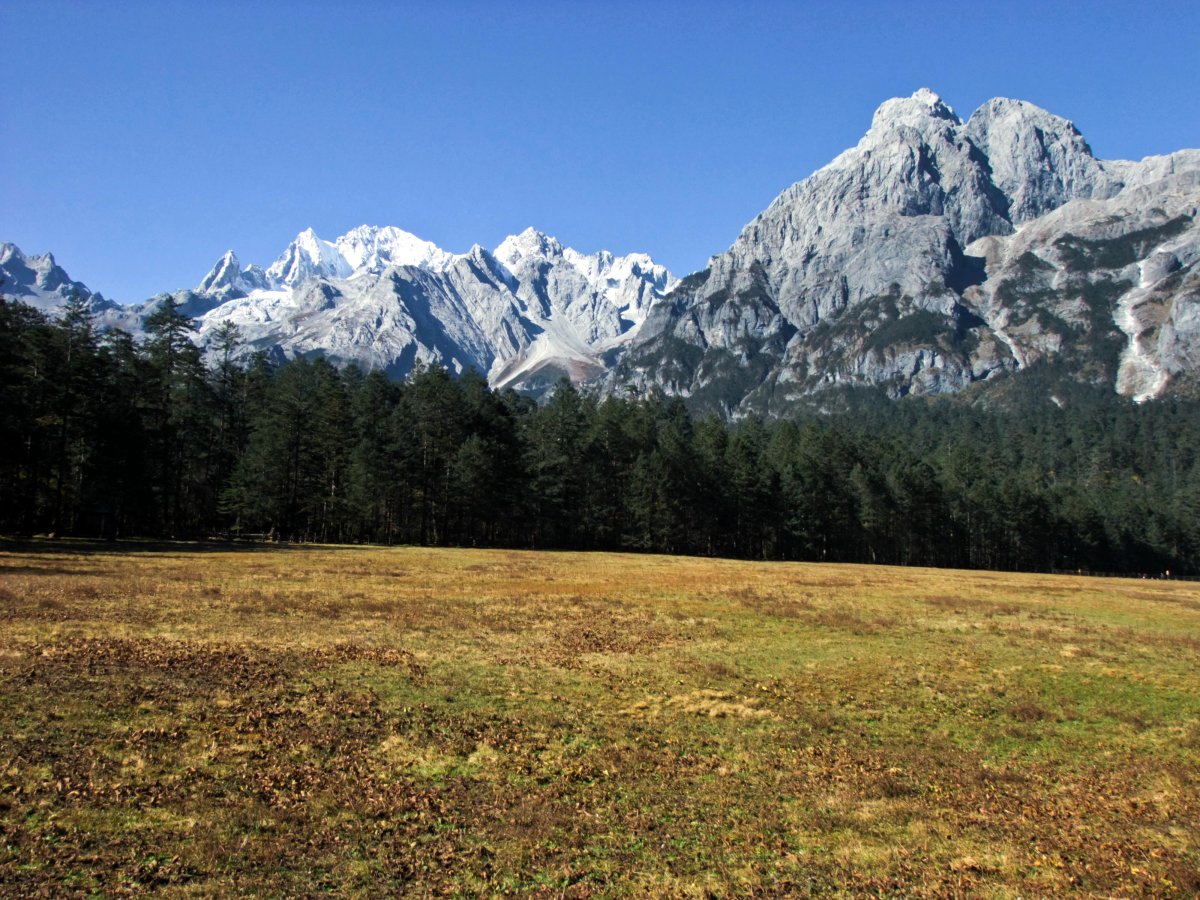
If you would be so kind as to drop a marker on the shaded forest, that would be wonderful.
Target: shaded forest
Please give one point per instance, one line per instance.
(102, 435)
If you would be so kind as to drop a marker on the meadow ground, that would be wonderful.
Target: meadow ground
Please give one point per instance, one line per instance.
(364, 721)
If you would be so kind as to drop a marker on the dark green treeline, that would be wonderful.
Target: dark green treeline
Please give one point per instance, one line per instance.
(101, 435)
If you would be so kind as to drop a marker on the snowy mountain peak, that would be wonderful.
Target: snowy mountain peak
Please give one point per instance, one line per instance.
(40, 281)
(307, 257)
(372, 249)
(223, 275)
(915, 111)
(10, 252)
(529, 243)
(227, 280)
(361, 250)
(312, 246)
(480, 255)
(43, 263)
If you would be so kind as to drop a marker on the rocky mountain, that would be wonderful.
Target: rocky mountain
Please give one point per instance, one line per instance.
(524, 314)
(936, 254)
(41, 282)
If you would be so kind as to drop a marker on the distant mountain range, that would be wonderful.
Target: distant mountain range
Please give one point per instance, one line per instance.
(933, 255)
(524, 314)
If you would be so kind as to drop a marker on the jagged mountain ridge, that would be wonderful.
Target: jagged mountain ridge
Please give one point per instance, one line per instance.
(887, 266)
(933, 255)
(41, 282)
(524, 314)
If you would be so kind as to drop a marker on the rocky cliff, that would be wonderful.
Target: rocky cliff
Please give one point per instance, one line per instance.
(936, 254)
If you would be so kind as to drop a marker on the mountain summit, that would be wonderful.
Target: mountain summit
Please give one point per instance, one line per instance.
(936, 254)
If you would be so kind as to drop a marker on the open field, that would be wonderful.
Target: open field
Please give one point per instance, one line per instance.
(292, 721)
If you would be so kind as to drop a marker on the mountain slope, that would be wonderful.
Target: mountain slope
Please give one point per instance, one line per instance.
(882, 268)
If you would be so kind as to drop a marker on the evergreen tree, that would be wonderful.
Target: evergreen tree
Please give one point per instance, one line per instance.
(556, 464)
(180, 433)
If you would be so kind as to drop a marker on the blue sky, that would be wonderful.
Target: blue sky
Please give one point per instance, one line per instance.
(140, 140)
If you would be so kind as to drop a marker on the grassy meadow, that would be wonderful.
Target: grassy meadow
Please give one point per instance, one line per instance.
(379, 721)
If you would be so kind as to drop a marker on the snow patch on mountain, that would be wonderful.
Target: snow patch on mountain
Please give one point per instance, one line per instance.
(370, 249)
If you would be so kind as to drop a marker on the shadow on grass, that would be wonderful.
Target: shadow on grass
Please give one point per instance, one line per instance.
(50, 570)
(90, 546)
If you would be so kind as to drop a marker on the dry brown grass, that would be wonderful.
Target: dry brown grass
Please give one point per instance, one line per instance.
(412, 721)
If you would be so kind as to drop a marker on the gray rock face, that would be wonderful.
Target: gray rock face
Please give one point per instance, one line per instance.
(1037, 160)
(1110, 284)
(870, 271)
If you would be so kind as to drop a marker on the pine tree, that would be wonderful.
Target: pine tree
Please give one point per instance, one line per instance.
(75, 381)
(179, 422)
(557, 465)
(22, 377)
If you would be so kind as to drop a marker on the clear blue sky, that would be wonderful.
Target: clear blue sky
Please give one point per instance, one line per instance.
(140, 140)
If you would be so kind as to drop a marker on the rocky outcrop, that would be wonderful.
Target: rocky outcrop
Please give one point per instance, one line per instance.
(1109, 286)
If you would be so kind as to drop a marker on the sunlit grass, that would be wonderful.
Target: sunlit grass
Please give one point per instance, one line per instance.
(410, 720)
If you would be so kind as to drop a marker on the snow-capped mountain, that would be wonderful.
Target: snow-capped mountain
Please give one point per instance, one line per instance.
(385, 299)
(41, 282)
(228, 279)
(362, 250)
(382, 298)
